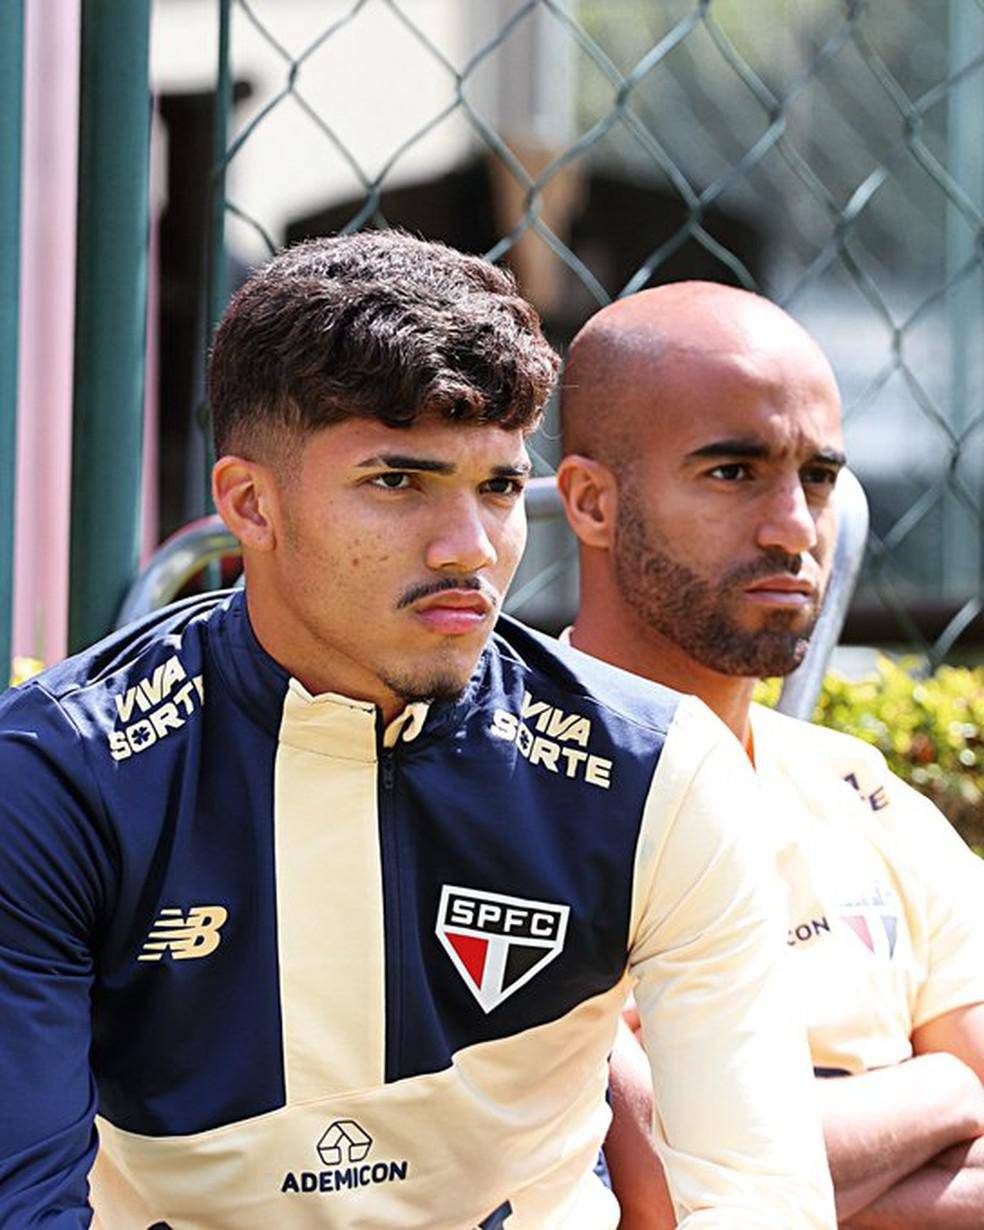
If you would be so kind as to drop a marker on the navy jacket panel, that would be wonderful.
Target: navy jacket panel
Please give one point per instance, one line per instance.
(508, 804)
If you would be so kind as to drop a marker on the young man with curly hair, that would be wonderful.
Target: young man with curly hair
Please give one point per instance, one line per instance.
(320, 900)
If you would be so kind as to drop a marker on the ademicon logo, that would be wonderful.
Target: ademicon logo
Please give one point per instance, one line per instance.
(344, 1149)
(498, 943)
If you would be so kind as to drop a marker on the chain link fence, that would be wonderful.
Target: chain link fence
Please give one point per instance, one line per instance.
(828, 153)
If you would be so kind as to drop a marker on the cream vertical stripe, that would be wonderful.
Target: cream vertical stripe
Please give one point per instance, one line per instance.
(329, 897)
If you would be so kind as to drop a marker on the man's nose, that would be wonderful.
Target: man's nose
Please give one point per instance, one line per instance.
(461, 541)
(787, 522)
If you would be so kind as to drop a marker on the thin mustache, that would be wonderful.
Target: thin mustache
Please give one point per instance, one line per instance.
(427, 589)
(773, 564)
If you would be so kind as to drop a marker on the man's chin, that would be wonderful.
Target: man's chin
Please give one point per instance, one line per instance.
(778, 625)
(435, 690)
(443, 680)
(774, 656)
(759, 655)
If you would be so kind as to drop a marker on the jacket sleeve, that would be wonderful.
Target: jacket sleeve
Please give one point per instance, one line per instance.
(53, 880)
(736, 1124)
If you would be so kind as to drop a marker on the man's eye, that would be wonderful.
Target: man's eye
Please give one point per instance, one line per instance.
(819, 476)
(503, 486)
(392, 480)
(732, 472)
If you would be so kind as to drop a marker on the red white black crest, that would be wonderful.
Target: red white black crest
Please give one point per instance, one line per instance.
(498, 943)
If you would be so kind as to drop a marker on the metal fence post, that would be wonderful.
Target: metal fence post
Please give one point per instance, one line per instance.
(114, 145)
(962, 558)
(216, 281)
(11, 81)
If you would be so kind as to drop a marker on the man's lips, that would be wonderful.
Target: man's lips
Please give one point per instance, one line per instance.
(781, 591)
(454, 611)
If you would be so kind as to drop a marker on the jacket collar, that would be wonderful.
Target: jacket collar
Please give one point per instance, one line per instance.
(328, 723)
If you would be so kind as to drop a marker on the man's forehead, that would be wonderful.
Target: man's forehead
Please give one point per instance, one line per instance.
(701, 394)
(762, 430)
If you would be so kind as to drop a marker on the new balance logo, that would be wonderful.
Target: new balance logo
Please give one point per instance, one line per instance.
(183, 938)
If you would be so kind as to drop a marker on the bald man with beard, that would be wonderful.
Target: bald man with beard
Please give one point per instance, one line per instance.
(701, 427)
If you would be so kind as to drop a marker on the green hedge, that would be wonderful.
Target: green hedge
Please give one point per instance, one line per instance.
(931, 731)
(24, 668)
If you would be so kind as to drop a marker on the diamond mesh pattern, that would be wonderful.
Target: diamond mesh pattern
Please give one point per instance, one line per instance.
(828, 154)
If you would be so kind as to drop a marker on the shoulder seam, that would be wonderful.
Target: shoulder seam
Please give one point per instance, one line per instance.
(604, 704)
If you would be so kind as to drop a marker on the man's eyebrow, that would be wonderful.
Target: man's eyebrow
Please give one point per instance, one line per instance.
(755, 450)
(522, 469)
(399, 461)
(751, 449)
(429, 465)
(830, 456)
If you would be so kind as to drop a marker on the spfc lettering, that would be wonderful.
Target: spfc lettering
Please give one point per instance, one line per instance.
(498, 943)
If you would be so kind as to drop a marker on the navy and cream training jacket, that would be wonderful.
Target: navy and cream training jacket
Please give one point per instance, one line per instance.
(266, 963)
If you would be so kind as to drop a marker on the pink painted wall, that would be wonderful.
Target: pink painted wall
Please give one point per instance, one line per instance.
(47, 309)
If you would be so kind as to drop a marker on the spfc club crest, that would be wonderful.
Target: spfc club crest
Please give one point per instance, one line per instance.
(874, 918)
(498, 943)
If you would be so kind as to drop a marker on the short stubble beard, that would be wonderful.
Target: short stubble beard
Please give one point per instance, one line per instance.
(440, 686)
(696, 615)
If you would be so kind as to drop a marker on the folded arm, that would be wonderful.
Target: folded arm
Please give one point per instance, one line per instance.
(889, 1136)
(945, 1194)
(883, 1127)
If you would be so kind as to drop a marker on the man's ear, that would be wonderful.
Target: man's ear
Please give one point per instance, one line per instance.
(589, 491)
(245, 496)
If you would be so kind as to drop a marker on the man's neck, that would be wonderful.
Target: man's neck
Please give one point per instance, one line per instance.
(309, 662)
(633, 647)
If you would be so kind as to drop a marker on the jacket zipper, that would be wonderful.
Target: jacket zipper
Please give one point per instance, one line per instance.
(392, 920)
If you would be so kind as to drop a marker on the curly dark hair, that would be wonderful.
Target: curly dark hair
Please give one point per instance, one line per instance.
(379, 325)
